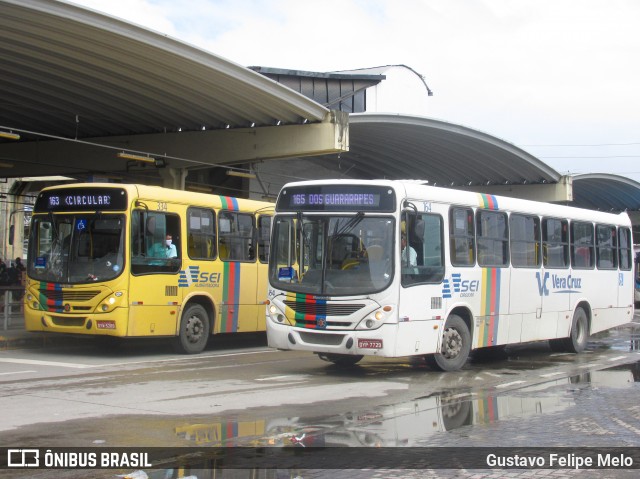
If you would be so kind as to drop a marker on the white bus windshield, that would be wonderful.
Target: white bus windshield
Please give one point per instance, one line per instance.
(332, 255)
(75, 249)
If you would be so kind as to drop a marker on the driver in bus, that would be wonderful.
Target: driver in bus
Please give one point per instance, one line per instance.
(409, 255)
(171, 249)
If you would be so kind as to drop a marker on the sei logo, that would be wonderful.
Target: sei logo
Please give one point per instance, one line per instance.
(465, 288)
(192, 276)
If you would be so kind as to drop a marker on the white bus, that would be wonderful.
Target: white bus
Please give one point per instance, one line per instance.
(478, 271)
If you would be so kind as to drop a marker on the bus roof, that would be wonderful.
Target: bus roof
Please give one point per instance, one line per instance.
(421, 190)
(158, 193)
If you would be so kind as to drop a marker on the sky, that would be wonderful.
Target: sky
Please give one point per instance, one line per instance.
(557, 78)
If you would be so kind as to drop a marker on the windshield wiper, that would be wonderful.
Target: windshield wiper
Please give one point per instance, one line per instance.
(349, 224)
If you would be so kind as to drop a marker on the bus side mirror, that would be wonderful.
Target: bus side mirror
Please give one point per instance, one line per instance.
(12, 230)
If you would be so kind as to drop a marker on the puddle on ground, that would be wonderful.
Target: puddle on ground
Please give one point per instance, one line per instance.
(406, 423)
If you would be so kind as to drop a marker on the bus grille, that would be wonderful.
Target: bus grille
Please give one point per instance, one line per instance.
(318, 309)
(68, 296)
(68, 322)
(324, 339)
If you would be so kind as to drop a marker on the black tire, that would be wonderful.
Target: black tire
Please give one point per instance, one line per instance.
(194, 330)
(577, 340)
(558, 345)
(456, 345)
(490, 353)
(343, 360)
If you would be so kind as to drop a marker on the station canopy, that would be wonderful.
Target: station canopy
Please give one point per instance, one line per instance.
(75, 76)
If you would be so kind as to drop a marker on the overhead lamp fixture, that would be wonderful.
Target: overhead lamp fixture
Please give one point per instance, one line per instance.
(6, 164)
(130, 156)
(240, 174)
(201, 189)
(9, 135)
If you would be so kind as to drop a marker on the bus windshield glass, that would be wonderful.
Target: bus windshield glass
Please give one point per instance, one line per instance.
(76, 249)
(332, 255)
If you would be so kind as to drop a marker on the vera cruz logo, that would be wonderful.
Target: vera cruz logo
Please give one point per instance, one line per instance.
(557, 283)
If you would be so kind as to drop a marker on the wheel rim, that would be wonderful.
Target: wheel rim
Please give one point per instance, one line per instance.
(580, 331)
(194, 329)
(451, 343)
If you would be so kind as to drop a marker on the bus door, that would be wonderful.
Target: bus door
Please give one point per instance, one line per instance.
(238, 251)
(494, 325)
(525, 305)
(155, 267)
(554, 276)
(421, 273)
(264, 245)
(609, 280)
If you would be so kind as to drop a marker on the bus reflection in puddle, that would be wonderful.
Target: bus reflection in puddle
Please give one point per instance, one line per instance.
(405, 424)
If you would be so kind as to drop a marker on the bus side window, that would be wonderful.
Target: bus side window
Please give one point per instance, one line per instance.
(624, 249)
(582, 245)
(264, 238)
(462, 236)
(237, 236)
(492, 238)
(201, 233)
(425, 237)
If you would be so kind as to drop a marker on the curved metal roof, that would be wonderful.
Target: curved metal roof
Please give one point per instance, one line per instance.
(606, 192)
(73, 72)
(400, 146)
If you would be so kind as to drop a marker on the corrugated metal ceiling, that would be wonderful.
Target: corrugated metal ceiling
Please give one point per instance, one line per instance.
(72, 72)
(398, 146)
(606, 192)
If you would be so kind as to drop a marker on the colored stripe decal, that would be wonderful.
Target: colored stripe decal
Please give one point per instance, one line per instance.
(231, 431)
(490, 307)
(230, 298)
(52, 305)
(312, 319)
(488, 201)
(229, 203)
(231, 283)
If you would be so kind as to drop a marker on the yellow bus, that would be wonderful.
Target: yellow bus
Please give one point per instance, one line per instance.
(138, 261)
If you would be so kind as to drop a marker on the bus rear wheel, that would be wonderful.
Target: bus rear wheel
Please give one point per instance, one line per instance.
(577, 340)
(194, 330)
(340, 359)
(456, 345)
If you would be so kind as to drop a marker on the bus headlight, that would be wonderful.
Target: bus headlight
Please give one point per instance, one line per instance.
(376, 319)
(33, 302)
(276, 315)
(112, 302)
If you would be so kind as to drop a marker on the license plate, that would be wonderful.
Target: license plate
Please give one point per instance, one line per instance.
(106, 324)
(370, 343)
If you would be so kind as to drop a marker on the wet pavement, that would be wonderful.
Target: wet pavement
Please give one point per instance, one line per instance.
(594, 405)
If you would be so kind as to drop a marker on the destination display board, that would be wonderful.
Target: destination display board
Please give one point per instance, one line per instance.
(82, 199)
(337, 198)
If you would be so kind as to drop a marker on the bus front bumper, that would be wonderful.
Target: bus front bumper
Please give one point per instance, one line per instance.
(113, 323)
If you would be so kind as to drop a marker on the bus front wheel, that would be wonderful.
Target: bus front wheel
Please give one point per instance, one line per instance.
(456, 345)
(194, 330)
